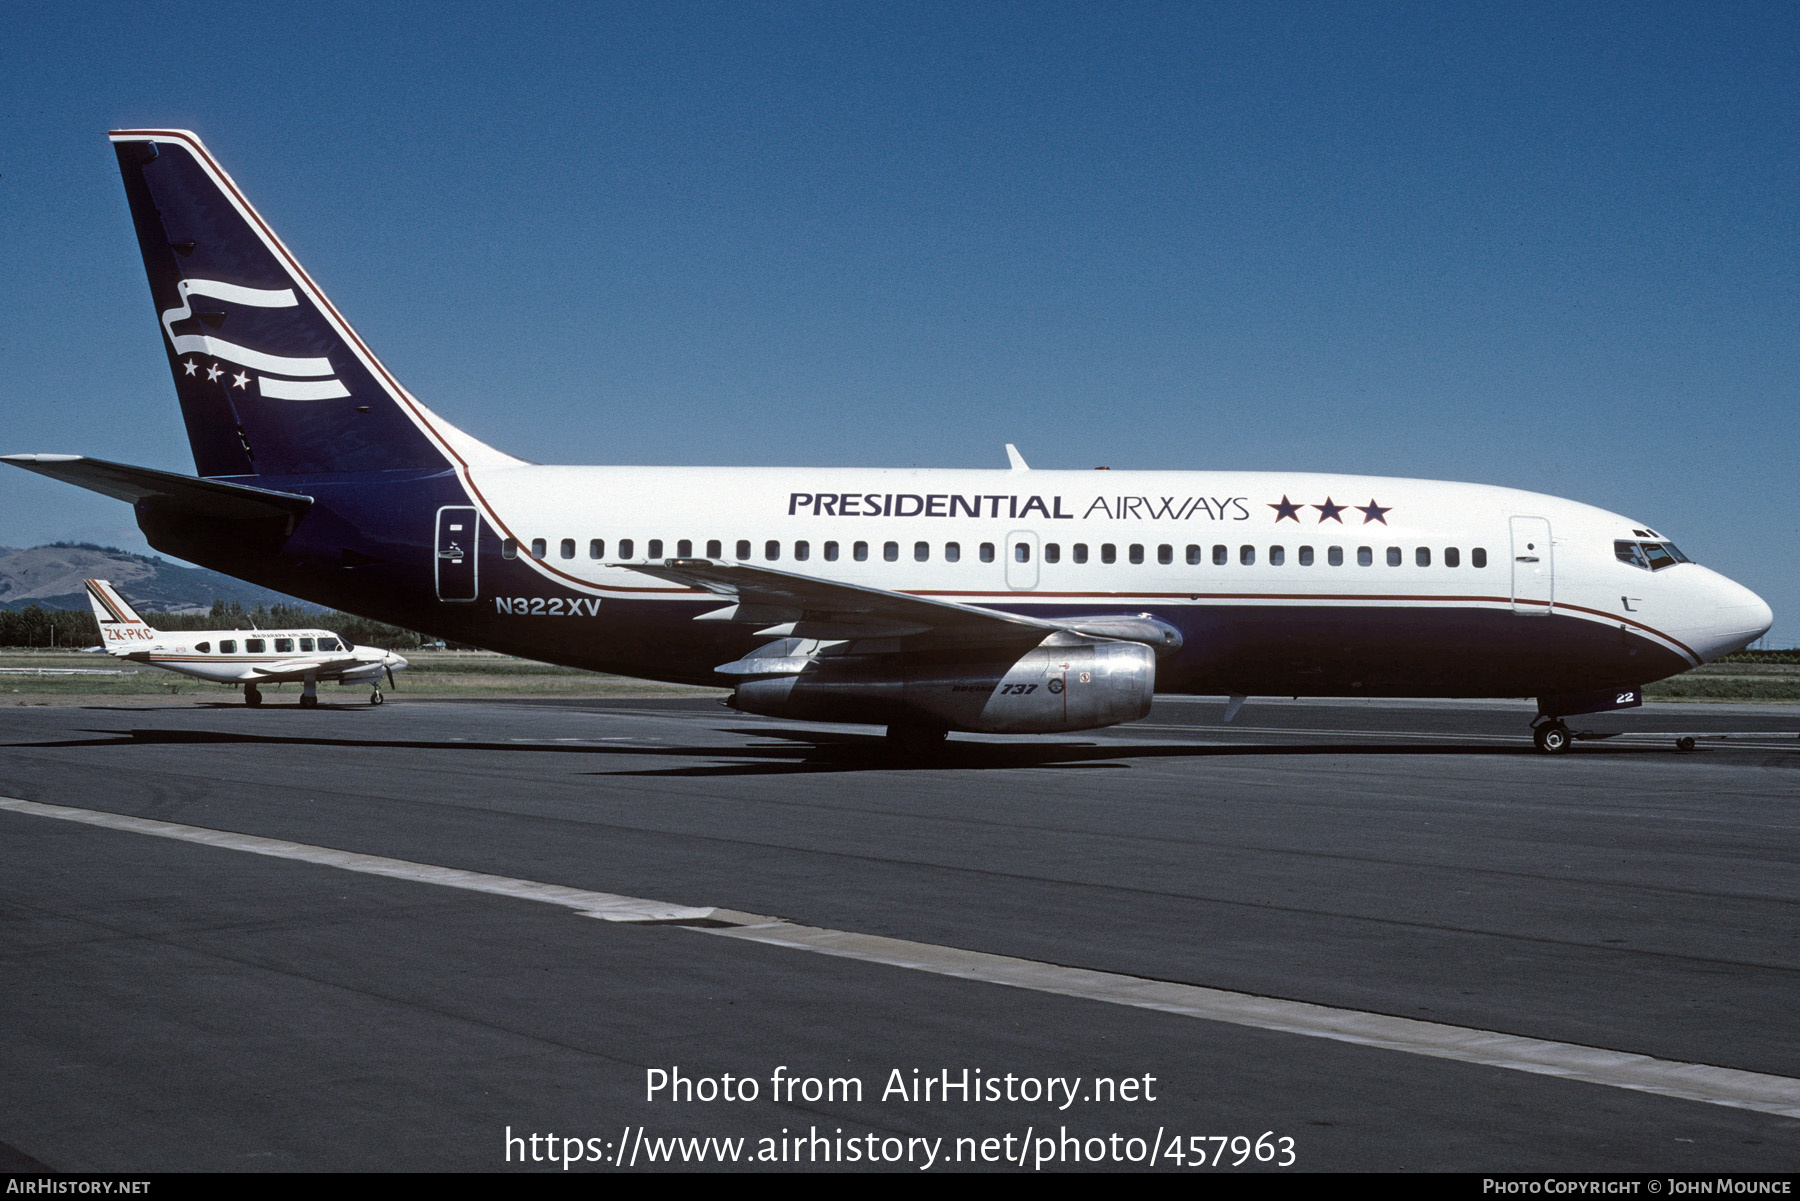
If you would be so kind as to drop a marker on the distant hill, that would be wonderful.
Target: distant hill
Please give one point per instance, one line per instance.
(51, 576)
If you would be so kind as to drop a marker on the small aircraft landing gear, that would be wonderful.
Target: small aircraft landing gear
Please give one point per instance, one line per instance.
(309, 694)
(252, 695)
(1552, 737)
(375, 697)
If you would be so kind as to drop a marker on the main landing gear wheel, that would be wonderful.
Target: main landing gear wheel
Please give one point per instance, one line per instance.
(309, 702)
(916, 742)
(252, 695)
(375, 698)
(1552, 738)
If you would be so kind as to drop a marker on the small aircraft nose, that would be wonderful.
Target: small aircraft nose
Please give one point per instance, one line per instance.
(395, 662)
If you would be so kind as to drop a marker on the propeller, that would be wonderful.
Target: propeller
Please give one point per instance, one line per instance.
(388, 667)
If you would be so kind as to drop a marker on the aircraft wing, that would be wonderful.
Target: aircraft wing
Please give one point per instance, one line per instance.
(801, 606)
(295, 669)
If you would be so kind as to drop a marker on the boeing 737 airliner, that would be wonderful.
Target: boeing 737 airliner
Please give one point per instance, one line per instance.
(1008, 601)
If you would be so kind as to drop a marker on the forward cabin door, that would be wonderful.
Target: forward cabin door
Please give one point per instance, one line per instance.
(1533, 570)
(458, 528)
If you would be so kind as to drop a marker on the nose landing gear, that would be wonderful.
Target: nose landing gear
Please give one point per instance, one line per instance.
(375, 697)
(1551, 736)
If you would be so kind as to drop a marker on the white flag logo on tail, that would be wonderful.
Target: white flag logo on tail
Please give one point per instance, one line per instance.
(312, 387)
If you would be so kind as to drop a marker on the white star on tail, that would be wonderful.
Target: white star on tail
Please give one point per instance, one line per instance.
(190, 366)
(240, 379)
(213, 373)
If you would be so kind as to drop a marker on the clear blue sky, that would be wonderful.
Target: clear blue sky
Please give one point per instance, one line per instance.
(1547, 246)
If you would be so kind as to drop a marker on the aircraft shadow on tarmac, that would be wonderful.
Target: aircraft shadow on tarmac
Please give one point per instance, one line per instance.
(784, 752)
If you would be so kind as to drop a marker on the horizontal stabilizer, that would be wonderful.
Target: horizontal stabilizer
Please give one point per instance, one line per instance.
(207, 498)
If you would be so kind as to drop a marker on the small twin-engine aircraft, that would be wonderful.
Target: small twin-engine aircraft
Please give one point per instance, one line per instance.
(1008, 601)
(248, 657)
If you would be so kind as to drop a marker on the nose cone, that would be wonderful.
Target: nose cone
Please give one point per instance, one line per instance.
(1737, 617)
(396, 663)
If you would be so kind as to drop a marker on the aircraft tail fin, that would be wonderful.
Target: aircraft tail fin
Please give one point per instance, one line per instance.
(121, 629)
(272, 379)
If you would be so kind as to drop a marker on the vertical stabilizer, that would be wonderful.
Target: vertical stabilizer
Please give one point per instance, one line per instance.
(121, 629)
(272, 379)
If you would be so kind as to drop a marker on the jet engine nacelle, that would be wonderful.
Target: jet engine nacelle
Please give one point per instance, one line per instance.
(1078, 686)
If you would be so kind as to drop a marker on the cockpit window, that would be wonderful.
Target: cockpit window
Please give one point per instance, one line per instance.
(1651, 556)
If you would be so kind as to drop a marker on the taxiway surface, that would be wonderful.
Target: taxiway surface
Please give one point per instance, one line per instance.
(174, 1005)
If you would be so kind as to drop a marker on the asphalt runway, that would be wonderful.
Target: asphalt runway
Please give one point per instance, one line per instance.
(174, 999)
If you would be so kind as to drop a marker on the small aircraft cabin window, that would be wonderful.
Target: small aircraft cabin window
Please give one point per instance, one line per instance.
(831, 552)
(1365, 557)
(1335, 556)
(655, 551)
(1109, 553)
(921, 552)
(537, 548)
(1247, 555)
(509, 548)
(325, 644)
(254, 646)
(228, 646)
(1080, 552)
(306, 645)
(890, 551)
(952, 552)
(1221, 556)
(1165, 553)
(1422, 556)
(802, 551)
(1478, 557)
(715, 549)
(284, 646)
(204, 648)
(684, 549)
(1277, 556)
(1193, 555)
(1306, 556)
(1452, 557)
(743, 548)
(568, 548)
(596, 548)
(860, 552)
(1136, 553)
(1052, 552)
(987, 552)
(771, 550)
(626, 546)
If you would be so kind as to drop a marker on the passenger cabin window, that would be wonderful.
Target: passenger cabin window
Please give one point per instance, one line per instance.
(921, 552)
(1422, 556)
(1306, 556)
(1221, 556)
(861, 552)
(771, 550)
(1478, 557)
(802, 551)
(228, 646)
(1335, 556)
(743, 548)
(715, 549)
(596, 548)
(1109, 553)
(1247, 555)
(1193, 555)
(1452, 557)
(306, 645)
(1393, 556)
(1165, 553)
(204, 648)
(509, 548)
(568, 548)
(952, 552)
(284, 646)
(987, 552)
(325, 644)
(1136, 554)
(655, 548)
(831, 552)
(1052, 552)
(1277, 556)
(254, 646)
(625, 547)
(890, 551)
(1080, 552)
(537, 548)
(1021, 552)
(1365, 557)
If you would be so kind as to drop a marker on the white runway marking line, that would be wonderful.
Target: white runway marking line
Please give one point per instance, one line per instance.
(1757, 1091)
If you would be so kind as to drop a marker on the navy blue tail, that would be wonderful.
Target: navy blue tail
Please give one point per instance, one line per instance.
(272, 380)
